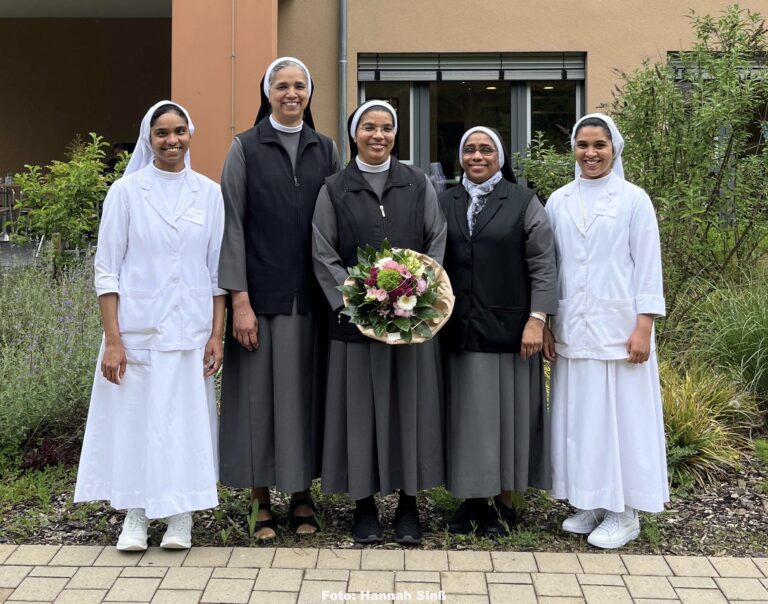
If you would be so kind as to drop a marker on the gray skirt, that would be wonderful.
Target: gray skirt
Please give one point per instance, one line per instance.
(270, 431)
(498, 424)
(384, 419)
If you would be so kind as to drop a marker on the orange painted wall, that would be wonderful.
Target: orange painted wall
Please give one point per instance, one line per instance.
(61, 77)
(221, 93)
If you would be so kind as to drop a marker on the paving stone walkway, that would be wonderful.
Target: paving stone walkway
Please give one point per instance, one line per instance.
(86, 574)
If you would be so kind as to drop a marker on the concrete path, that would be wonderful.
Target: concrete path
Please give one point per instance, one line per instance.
(86, 574)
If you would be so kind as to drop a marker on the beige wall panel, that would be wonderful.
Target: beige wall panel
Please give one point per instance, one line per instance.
(61, 77)
(205, 77)
(308, 30)
(615, 35)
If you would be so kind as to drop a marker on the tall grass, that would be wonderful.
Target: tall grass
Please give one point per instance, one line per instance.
(708, 418)
(49, 338)
(731, 330)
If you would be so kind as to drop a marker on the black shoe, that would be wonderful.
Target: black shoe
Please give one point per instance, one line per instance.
(366, 528)
(407, 525)
(500, 520)
(469, 517)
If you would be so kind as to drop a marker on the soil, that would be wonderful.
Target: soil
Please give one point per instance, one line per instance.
(726, 517)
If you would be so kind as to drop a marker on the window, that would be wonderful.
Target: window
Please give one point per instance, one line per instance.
(439, 96)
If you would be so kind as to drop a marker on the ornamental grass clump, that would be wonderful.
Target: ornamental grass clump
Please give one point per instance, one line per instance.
(708, 418)
(731, 326)
(49, 337)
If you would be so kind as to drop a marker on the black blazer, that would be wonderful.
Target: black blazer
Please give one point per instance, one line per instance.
(488, 270)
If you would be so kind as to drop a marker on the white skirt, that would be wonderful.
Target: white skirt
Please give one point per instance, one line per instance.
(151, 442)
(608, 447)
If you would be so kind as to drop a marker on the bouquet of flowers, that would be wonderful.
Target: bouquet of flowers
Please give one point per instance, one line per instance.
(397, 296)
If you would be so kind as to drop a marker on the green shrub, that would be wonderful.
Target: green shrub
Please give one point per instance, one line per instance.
(66, 197)
(49, 339)
(707, 420)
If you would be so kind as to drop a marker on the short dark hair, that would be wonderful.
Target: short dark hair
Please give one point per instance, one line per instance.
(167, 108)
(596, 122)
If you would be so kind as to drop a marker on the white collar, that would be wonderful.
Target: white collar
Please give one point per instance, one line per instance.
(287, 129)
(373, 169)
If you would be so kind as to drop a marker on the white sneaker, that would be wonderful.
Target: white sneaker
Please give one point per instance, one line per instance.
(583, 522)
(616, 530)
(178, 535)
(133, 537)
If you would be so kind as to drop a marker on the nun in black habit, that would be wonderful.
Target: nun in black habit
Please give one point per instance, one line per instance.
(272, 384)
(384, 404)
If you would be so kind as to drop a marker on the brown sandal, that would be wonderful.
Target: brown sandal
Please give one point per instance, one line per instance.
(299, 521)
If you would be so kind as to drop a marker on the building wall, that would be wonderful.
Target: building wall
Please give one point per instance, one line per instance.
(615, 35)
(62, 77)
(220, 51)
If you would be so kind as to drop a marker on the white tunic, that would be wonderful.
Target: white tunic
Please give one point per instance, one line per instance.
(608, 447)
(150, 442)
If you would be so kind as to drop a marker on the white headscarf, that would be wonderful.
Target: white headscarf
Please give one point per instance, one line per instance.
(491, 134)
(616, 139)
(142, 155)
(365, 107)
(273, 64)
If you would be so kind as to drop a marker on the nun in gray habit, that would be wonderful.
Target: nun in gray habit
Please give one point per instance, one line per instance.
(500, 256)
(274, 357)
(384, 403)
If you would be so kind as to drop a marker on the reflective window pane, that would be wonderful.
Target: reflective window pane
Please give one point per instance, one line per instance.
(454, 107)
(553, 111)
(397, 94)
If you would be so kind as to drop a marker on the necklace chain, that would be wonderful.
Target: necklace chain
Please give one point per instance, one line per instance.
(581, 205)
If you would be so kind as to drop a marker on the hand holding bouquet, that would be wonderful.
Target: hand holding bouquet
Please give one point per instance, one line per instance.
(397, 296)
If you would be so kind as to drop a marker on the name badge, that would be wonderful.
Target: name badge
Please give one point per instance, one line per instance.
(194, 215)
(606, 207)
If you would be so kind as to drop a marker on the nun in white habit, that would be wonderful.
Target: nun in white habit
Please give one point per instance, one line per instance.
(608, 447)
(150, 439)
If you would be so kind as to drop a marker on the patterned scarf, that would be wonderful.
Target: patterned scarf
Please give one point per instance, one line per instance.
(479, 195)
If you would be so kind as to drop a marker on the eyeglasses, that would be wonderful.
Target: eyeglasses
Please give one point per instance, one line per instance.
(370, 128)
(485, 151)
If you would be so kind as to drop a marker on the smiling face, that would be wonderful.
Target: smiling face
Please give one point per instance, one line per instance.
(594, 151)
(480, 157)
(375, 137)
(288, 95)
(169, 137)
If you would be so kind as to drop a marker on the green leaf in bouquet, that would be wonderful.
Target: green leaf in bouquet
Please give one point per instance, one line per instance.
(349, 311)
(402, 323)
(406, 336)
(349, 290)
(386, 246)
(422, 329)
(427, 313)
(427, 298)
(380, 329)
(357, 273)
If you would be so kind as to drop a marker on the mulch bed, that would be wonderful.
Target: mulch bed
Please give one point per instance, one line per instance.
(726, 517)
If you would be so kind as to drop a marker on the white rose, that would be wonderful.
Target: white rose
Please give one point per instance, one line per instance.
(380, 263)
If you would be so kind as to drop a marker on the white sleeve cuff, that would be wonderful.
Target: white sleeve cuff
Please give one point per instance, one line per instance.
(650, 305)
